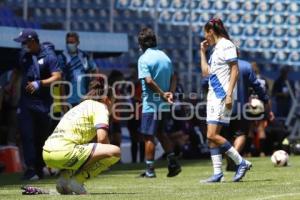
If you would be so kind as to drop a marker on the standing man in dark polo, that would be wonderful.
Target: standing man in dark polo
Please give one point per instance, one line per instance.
(38, 67)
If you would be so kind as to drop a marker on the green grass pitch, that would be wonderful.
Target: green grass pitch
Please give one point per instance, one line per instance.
(263, 182)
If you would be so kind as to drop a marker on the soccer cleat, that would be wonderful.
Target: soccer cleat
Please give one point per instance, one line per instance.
(214, 178)
(174, 170)
(242, 169)
(76, 187)
(62, 186)
(148, 174)
(30, 175)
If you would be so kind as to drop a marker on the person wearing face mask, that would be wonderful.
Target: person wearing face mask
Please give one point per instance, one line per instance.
(74, 64)
(38, 69)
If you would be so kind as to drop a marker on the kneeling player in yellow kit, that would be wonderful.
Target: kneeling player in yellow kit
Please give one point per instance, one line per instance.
(79, 145)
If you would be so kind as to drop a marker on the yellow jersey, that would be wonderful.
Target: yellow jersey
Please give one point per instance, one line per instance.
(79, 125)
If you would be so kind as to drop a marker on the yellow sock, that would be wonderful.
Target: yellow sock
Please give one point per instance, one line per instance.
(95, 169)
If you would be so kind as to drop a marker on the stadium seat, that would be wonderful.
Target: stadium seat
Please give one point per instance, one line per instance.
(263, 6)
(235, 30)
(249, 6)
(205, 5)
(278, 31)
(233, 18)
(233, 5)
(265, 43)
(279, 6)
(293, 32)
(137, 3)
(248, 18)
(293, 19)
(165, 4)
(165, 16)
(263, 19)
(219, 5)
(149, 4)
(294, 7)
(178, 4)
(179, 17)
(264, 31)
(293, 43)
(251, 43)
(278, 19)
(123, 3)
(294, 56)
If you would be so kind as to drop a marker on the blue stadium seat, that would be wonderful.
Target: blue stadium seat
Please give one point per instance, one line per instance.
(278, 19)
(205, 5)
(234, 5)
(281, 56)
(233, 18)
(293, 32)
(165, 16)
(279, 6)
(294, 7)
(294, 56)
(165, 4)
(293, 43)
(293, 19)
(263, 19)
(263, 6)
(235, 30)
(123, 3)
(149, 4)
(264, 31)
(265, 43)
(251, 43)
(248, 18)
(219, 5)
(178, 4)
(249, 6)
(137, 3)
(179, 17)
(279, 32)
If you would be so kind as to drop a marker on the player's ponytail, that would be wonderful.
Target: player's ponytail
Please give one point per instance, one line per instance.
(217, 26)
(99, 91)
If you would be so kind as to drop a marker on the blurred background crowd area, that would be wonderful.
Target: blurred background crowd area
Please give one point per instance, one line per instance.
(266, 32)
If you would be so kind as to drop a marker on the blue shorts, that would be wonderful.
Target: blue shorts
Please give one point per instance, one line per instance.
(153, 122)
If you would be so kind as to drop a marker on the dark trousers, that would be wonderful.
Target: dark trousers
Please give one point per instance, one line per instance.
(34, 129)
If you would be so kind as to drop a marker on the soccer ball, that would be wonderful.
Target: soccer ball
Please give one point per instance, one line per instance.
(256, 107)
(280, 158)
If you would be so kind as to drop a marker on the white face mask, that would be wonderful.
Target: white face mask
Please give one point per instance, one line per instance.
(25, 48)
(72, 48)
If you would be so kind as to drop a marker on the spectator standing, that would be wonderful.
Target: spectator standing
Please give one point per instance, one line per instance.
(38, 67)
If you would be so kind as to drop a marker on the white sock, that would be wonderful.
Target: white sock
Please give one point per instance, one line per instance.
(217, 163)
(234, 155)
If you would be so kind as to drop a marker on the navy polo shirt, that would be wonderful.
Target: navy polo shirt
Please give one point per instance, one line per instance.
(38, 67)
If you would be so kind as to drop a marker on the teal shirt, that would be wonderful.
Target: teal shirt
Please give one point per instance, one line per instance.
(156, 64)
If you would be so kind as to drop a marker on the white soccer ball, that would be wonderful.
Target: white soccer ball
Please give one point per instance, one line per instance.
(280, 158)
(256, 107)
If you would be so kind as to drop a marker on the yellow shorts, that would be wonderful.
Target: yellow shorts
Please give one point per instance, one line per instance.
(73, 157)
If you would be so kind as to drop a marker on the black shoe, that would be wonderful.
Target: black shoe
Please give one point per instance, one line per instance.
(147, 174)
(30, 175)
(174, 170)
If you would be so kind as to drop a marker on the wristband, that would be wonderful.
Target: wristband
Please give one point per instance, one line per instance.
(36, 84)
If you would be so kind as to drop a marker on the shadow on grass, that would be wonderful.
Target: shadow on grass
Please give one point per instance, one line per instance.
(159, 164)
(112, 193)
(15, 179)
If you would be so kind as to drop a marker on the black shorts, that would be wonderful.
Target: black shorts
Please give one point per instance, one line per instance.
(151, 122)
(236, 128)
